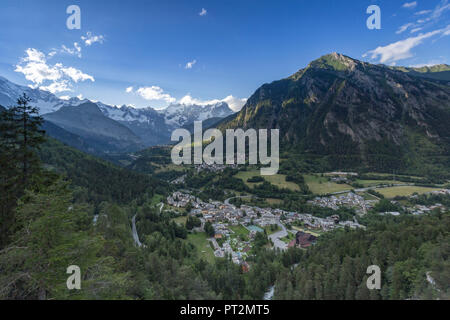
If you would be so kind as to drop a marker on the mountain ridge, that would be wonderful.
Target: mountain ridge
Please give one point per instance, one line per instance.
(147, 126)
(354, 114)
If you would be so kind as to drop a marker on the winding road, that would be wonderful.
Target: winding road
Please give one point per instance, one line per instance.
(134, 230)
(275, 237)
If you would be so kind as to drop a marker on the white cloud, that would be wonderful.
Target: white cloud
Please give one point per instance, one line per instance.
(234, 103)
(190, 64)
(57, 86)
(64, 97)
(90, 39)
(419, 13)
(203, 12)
(155, 93)
(402, 49)
(76, 50)
(410, 4)
(440, 9)
(403, 28)
(80, 96)
(76, 75)
(415, 30)
(428, 64)
(35, 68)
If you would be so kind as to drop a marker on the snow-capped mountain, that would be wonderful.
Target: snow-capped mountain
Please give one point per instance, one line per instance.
(156, 126)
(45, 101)
(150, 125)
(179, 115)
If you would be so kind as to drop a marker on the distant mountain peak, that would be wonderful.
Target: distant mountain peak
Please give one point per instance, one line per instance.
(88, 107)
(335, 61)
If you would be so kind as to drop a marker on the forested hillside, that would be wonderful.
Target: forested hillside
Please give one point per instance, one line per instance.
(407, 249)
(97, 180)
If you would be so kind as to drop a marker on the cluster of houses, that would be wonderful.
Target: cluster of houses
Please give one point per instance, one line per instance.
(442, 192)
(224, 216)
(181, 200)
(350, 199)
(422, 209)
(325, 224)
(234, 247)
(214, 167)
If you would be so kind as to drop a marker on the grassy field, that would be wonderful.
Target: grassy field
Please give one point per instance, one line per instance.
(399, 176)
(391, 192)
(320, 185)
(306, 231)
(180, 220)
(371, 183)
(274, 201)
(278, 179)
(239, 231)
(157, 198)
(200, 242)
(169, 167)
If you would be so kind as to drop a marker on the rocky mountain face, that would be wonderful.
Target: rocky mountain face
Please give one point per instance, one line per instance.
(355, 114)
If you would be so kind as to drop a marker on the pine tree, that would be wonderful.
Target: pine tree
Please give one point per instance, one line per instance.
(27, 123)
(20, 137)
(9, 186)
(52, 234)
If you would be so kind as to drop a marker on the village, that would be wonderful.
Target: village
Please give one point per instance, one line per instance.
(350, 199)
(236, 228)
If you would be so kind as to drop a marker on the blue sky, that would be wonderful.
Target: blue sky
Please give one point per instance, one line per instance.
(189, 51)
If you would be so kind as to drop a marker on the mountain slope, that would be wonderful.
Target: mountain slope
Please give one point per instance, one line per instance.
(88, 122)
(436, 72)
(355, 114)
(67, 137)
(97, 180)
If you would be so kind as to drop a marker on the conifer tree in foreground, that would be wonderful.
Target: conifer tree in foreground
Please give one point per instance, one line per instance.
(20, 137)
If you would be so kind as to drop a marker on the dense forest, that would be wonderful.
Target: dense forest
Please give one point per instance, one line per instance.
(50, 194)
(406, 249)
